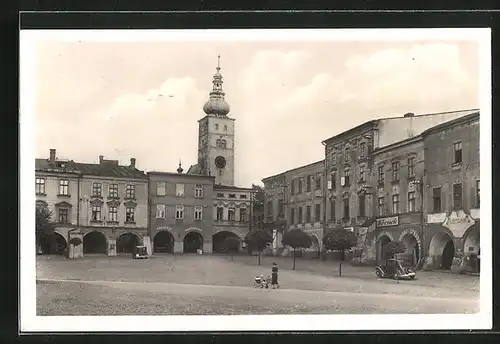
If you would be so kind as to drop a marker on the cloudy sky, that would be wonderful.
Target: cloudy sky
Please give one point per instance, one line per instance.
(101, 98)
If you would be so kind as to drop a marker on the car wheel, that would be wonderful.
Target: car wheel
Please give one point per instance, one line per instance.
(379, 274)
(412, 277)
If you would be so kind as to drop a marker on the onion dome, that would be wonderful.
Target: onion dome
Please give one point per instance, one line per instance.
(180, 169)
(216, 105)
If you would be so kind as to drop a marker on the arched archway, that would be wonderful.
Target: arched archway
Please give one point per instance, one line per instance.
(381, 243)
(127, 242)
(95, 242)
(192, 242)
(53, 244)
(471, 248)
(218, 241)
(315, 247)
(442, 250)
(163, 242)
(412, 253)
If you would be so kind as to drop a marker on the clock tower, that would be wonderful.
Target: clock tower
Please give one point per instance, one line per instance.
(216, 136)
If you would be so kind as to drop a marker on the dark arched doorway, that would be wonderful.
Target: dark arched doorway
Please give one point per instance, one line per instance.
(448, 254)
(53, 244)
(412, 253)
(127, 242)
(442, 250)
(193, 241)
(381, 244)
(218, 241)
(163, 242)
(95, 242)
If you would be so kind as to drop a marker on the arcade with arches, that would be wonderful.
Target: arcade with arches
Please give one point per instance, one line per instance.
(218, 240)
(442, 249)
(193, 241)
(163, 242)
(127, 242)
(95, 242)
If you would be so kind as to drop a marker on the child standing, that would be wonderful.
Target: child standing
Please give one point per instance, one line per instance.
(274, 276)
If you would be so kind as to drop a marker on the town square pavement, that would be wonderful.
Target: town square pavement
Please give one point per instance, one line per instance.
(190, 284)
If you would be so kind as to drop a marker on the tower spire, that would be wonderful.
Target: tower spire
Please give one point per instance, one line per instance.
(216, 105)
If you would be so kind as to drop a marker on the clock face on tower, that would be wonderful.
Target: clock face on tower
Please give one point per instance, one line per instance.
(220, 162)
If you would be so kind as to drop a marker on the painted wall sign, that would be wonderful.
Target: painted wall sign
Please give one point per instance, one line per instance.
(458, 222)
(193, 229)
(163, 228)
(388, 221)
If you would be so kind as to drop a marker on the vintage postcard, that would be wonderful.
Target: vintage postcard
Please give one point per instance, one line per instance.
(270, 180)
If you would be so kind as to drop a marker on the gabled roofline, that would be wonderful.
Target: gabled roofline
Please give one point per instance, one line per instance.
(466, 118)
(160, 173)
(322, 161)
(398, 144)
(363, 126)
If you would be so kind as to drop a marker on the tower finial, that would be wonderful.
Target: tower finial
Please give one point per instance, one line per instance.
(180, 169)
(218, 62)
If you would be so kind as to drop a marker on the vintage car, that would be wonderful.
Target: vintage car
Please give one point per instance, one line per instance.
(140, 252)
(394, 269)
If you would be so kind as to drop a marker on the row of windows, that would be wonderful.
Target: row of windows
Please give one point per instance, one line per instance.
(161, 212)
(112, 214)
(395, 199)
(308, 186)
(95, 192)
(231, 214)
(161, 190)
(362, 153)
(457, 198)
(216, 126)
(221, 195)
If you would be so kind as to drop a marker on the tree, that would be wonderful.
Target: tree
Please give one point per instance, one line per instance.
(394, 247)
(340, 240)
(296, 238)
(232, 245)
(44, 227)
(258, 239)
(258, 198)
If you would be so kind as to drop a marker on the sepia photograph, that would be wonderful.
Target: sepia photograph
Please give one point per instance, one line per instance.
(255, 180)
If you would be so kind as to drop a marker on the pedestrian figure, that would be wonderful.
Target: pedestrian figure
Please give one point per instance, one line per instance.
(274, 276)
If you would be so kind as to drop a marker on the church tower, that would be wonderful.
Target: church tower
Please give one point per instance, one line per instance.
(216, 136)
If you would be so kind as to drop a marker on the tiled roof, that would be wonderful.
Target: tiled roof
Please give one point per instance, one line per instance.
(106, 169)
(110, 170)
(229, 187)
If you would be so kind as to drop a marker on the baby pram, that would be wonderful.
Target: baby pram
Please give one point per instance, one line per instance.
(262, 282)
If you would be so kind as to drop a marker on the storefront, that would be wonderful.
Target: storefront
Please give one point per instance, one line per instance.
(405, 228)
(453, 243)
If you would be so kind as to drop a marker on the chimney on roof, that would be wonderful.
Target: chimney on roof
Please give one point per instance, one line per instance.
(52, 155)
(132, 162)
(101, 159)
(409, 114)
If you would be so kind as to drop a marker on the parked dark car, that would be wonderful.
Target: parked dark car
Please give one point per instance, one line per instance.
(140, 252)
(394, 269)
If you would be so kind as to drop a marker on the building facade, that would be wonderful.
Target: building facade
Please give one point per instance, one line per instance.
(57, 186)
(294, 200)
(104, 205)
(396, 202)
(180, 216)
(451, 194)
(232, 211)
(355, 162)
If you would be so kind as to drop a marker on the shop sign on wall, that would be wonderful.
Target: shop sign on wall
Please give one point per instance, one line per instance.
(388, 221)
